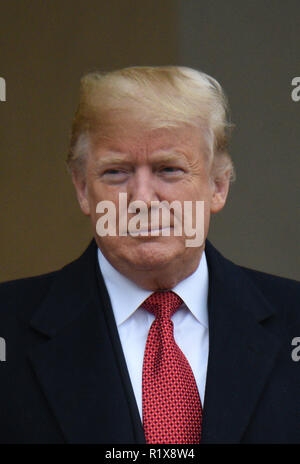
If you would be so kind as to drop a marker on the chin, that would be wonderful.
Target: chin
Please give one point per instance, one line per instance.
(154, 255)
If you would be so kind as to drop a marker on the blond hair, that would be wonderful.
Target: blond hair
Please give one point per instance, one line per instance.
(152, 97)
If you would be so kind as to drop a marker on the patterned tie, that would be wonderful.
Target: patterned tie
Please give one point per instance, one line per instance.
(172, 412)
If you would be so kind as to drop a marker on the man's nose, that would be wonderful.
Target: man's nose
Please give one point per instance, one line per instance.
(142, 186)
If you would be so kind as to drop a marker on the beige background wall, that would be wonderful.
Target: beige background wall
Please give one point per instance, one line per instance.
(253, 48)
(46, 46)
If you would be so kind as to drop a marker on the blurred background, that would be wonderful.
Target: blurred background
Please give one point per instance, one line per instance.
(251, 47)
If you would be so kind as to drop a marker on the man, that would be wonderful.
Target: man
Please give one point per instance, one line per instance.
(145, 339)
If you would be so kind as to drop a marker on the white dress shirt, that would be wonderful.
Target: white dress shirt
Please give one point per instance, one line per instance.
(133, 322)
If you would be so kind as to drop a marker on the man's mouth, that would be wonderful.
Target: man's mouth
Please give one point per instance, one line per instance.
(151, 232)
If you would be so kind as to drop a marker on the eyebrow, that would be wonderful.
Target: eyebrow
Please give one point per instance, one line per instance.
(166, 156)
(160, 156)
(111, 159)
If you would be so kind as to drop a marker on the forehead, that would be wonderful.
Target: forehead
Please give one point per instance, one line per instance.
(139, 143)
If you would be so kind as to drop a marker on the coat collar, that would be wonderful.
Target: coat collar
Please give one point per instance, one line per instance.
(83, 372)
(72, 291)
(81, 367)
(242, 349)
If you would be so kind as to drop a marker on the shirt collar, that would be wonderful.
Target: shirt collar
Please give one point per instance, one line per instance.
(193, 291)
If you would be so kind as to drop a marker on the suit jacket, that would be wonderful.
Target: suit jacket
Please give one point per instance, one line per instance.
(65, 378)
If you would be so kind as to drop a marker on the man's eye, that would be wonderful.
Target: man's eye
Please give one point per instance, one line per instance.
(112, 171)
(171, 170)
(114, 175)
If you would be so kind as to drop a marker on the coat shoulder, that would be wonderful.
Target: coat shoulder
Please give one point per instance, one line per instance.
(281, 292)
(20, 296)
(273, 284)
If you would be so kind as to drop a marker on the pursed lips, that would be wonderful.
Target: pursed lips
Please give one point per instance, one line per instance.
(149, 231)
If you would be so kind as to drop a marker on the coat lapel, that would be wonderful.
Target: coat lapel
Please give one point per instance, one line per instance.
(242, 351)
(81, 367)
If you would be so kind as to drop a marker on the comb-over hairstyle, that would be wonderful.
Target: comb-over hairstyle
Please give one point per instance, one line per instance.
(151, 98)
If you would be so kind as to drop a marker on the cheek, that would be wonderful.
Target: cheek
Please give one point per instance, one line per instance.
(195, 186)
(94, 195)
(205, 190)
(97, 193)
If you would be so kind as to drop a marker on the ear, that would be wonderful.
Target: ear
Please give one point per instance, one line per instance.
(81, 192)
(220, 192)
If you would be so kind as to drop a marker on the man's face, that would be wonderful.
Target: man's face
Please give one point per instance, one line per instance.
(149, 166)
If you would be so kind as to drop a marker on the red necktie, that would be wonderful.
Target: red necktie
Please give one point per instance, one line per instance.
(172, 412)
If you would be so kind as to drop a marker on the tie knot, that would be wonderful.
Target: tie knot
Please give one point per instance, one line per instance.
(162, 304)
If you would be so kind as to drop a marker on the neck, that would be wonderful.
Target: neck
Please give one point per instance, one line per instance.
(164, 277)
